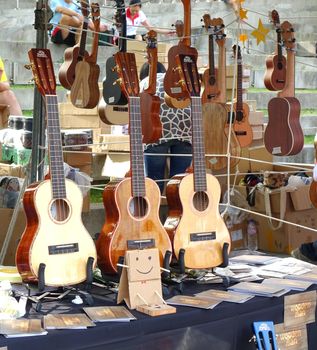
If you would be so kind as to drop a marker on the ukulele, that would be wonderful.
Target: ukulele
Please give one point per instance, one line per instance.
(84, 92)
(283, 135)
(216, 113)
(172, 76)
(241, 125)
(150, 102)
(72, 55)
(194, 222)
(55, 237)
(313, 185)
(113, 108)
(275, 74)
(132, 205)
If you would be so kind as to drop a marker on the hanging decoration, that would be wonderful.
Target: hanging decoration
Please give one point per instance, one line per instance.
(260, 33)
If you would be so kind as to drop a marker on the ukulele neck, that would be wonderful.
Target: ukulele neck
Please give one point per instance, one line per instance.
(239, 87)
(55, 148)
(136, 148)
(222, 97)
(212, 71)
(199, 165)
(83, 38)
(289, 89)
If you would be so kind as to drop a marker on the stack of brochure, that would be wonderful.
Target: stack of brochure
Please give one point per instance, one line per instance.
(258, 289)
(67, 321)
(184, 300)
(287, 283)
(109, 314)
(222, 295)
(21, 328)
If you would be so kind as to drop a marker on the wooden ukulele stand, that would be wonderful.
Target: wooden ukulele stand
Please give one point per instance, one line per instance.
(59, 293)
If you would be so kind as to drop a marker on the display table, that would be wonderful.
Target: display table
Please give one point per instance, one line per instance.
(227, 327)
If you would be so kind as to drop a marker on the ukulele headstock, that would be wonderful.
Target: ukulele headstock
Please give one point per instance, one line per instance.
(43, 71)
(288, 36)
(95, 14)
(84, 8)
(187, 67)
(206, 19)
(118, 16)
(218, 31)
(128, 73)
(179, 28)
(236, 48)
(151, 40)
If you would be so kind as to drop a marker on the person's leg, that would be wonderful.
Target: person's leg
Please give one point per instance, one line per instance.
(178, 165)
(68, 22)
(155, 165)
(8, 97)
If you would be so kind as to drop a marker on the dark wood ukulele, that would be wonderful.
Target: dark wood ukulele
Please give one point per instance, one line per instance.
(55, 246)
(194, 222)
(72, 55)
(172, 76)
(132, 205)
(150, 102)
(275, 74)
(241, 125)
(216, 112)
(283, 135)
(313, 186)
(84, 92)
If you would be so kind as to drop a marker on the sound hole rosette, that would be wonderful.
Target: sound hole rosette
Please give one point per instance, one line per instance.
(200, 200)
(138, 207)
(59, 210)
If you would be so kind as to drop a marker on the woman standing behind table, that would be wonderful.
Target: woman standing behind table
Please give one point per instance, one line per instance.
(176, 135)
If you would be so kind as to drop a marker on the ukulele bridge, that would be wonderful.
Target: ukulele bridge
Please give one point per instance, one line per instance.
(204, 236)
(141, 243)
(240, 133)
(63, 248)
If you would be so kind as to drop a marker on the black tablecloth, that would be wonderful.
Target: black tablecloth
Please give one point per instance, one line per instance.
(227, 327)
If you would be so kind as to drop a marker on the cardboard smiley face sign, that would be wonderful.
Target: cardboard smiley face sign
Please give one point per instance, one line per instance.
(140, 281)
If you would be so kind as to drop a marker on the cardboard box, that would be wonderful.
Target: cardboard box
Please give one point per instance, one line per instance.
(288, 237)
(117, 143)
(11, 170)
(5, 218)
(238, 236)
(86, 203)
(76, 159)
(252, 105)
(257, 131)
(301, 199)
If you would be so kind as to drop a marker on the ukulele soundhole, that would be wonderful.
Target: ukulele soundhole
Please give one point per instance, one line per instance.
(59, 210)
(138, 207)
(200, 201)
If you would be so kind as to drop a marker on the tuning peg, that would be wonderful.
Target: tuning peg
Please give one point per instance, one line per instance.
(177, 69)
(181, 82)
(29, 66)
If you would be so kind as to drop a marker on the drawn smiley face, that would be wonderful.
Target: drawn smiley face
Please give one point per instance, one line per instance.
(143, 264)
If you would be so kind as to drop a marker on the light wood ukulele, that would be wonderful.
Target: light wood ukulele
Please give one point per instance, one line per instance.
(172, 76)
(55, 246)
(216, 112)
(275, 74)
(283, 135)
(241, 126)
(132, 205)
(74, 54)
(150, 102)
(313, 186)
(85, 92)
(194, 222)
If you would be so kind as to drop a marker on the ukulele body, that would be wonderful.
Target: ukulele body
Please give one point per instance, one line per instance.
(150, 115)
(85, 92)
(184, 221)
(66, 73)
(172, 77)
(283, 135)
(313, 193)
(275, 74)
(43, 232)
(216, 128)
(210, 91)
(112, 92)
(121, 225)
(242, 127)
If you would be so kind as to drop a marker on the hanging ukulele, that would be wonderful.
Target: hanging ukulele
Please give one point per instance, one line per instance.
(194, 222)
(216, 112)
(275, 74)
(283, 135)
(150, 102)
(241, 126)
(113, 108)
(55, 248)
(84, 92)
(132, 205)
(72, 55)
(172, 76)
(313, 186)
